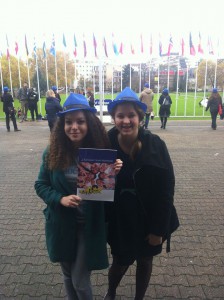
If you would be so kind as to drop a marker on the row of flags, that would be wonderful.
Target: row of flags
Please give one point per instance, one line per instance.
(122, 48)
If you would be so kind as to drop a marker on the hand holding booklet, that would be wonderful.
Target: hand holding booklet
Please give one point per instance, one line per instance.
(96, 175)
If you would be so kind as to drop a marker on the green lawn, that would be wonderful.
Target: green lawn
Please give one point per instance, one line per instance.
(181, 108)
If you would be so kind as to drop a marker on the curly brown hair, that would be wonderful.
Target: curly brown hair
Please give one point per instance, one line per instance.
(62, 151)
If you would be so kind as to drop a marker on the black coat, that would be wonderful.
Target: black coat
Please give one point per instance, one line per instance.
(7, 100)
(164, 110)
(52, 107)
(143, 199)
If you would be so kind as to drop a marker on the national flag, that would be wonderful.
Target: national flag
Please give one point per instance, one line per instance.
(114, 45)
(44, 50)
(121, 48)
(210, 46)
(64, 41)
(16, 47)
(200, 50)
(84, 46)
(170, 46)
(27, 51)
(75, 44)
(142, 47)
(7, 42)
(182, 44)
(105, 46)
(35, 49)
(132, 49)
(160, 48)
(192, 49)
(150, 46)
(94, 45)
(52, 49)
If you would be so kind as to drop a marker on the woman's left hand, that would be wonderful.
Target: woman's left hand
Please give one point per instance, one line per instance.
(154, 240)
(118, 165)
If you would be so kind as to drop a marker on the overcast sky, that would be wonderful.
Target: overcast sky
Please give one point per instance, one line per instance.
(125, 18)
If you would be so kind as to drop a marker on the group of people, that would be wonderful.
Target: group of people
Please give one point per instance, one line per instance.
(165, 102)
(139, 220)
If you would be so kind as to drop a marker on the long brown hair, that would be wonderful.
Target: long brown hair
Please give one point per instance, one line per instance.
(136, 147)
(62, 151)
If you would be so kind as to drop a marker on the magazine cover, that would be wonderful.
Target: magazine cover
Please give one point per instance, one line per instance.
(96, 176)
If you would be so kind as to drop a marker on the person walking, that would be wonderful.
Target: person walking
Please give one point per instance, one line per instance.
(52, 107)
(75, 229)
(146, 97)
(164, 110)
(90, 98)
(213, 105)
(23, 97)
(142, 215)
(8, 109)
(32, 103)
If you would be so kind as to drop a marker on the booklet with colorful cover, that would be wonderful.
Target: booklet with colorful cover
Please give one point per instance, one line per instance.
(96, 175)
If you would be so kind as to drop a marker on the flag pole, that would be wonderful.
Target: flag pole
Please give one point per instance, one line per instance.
(1, 73)
(206, 69)
(185, 98)
(38, 83)
(66, 83)
(112, 85)
(28, 71)
(46, 67)
(177, 90)
(10, 76)
(19, 72)
(130, 76)
(140, 77)
(157, 106)
(168, 73)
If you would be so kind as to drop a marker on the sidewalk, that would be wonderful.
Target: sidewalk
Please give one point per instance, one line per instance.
(194, 269)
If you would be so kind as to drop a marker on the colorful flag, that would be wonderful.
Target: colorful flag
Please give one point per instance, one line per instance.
(200, 50)
(160, 48)
(94, 45)
(121, 48)
(142, 47)
(192, 49)
(170, 46)
(84, 46)
(16, 47)
(132, 49)
(114, 45)
(75, 44)
(52, 49)
(105, 46)
(64, 41)
(7, 42)
(210, 46)
(182, 47)
(150, 46)
(44, 50)
(27, 51)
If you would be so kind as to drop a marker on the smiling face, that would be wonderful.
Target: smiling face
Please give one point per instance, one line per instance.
(126, 120)
(76, 126)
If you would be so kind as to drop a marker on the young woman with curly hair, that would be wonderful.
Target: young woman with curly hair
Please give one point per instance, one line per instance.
(75, 229)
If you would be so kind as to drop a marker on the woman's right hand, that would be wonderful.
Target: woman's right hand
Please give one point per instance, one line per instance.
(70, 201)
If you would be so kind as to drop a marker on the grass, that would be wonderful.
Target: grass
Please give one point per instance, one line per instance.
(181, 108)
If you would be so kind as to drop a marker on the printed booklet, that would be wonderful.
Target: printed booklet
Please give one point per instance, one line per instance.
(96, 175)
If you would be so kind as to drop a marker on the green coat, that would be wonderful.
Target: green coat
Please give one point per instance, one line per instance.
(61, 226)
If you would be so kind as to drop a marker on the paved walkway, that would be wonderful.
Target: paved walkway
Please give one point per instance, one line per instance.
(193, 270)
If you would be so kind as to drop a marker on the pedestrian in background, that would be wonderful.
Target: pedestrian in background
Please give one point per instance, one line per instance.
(90, 98)
(213, 105)
(147, 97)
(23, 97)
(32, 103)
(8, 109)
(164, 110)
(75, 229)
(52, 107)
(142, 215)
(55, 89)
